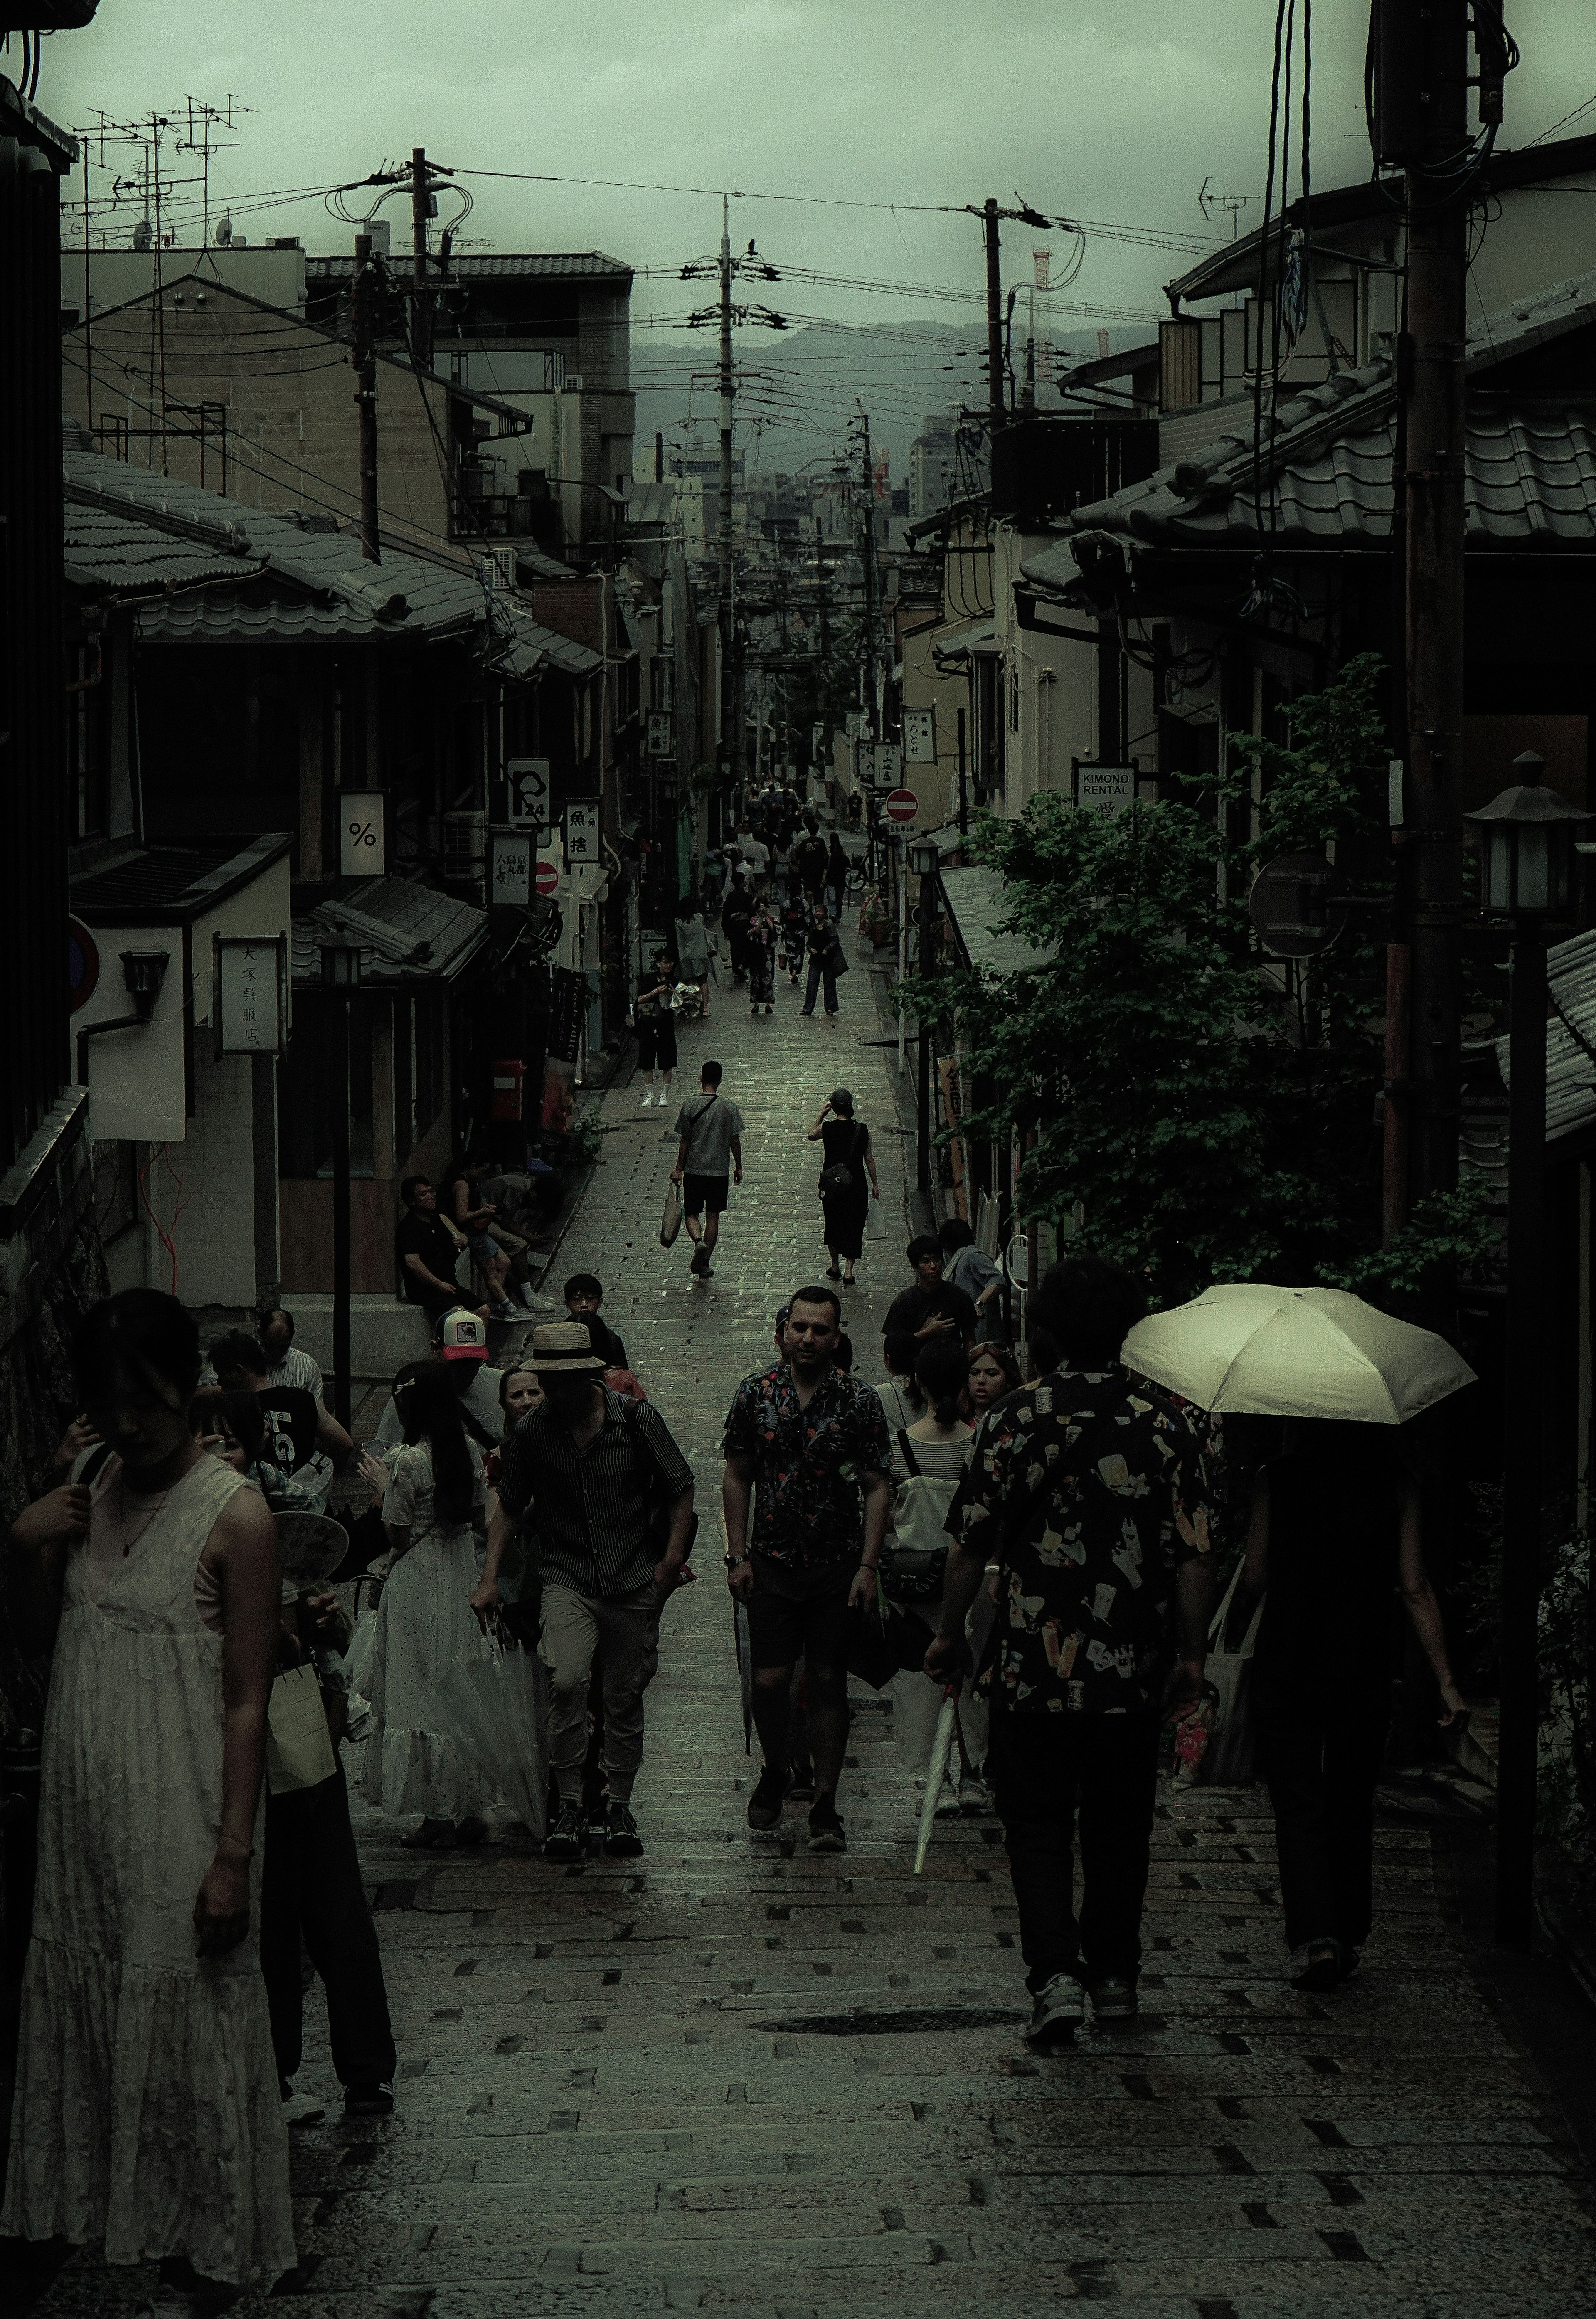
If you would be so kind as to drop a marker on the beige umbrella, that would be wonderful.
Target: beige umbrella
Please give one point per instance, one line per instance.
(1294, 1352)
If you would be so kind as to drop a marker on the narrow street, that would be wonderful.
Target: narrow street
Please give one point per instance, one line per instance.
(730, 2076)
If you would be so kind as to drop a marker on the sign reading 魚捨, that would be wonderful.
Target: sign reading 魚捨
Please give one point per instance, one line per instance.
(1106, 788)
(582, 830)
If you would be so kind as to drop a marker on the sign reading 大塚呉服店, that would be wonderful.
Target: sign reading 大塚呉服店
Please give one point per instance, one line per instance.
(249, 995)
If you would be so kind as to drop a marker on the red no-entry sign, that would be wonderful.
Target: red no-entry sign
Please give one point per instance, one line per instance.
(902, 805)
(548, 874)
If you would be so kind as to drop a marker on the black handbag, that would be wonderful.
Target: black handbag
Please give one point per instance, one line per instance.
(839, 1176)
(876, 1644)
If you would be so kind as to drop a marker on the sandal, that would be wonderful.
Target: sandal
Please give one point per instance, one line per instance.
(831, 1273)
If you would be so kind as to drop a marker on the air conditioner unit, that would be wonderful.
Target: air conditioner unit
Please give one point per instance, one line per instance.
(498, 564)
(465, 846)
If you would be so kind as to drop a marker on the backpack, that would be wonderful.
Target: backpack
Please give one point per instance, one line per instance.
(914, 1556)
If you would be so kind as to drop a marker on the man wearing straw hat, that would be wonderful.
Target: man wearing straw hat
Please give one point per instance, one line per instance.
(612, 1498)
(1092, 1499)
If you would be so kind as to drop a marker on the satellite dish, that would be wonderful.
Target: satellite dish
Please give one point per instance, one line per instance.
(224, 232)
(142, 236)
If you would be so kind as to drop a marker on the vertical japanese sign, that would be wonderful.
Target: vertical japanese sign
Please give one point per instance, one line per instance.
(512, 868)
(249, 996)
(582, 831)
(919, 736)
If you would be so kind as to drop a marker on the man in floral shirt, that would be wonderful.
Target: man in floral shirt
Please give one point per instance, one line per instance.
(808, 1447)
(1092, 1500)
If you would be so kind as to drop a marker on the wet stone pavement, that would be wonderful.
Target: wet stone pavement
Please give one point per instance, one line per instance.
(729, 2076)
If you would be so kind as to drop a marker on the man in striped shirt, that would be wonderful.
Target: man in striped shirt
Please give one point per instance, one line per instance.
(611, 1497)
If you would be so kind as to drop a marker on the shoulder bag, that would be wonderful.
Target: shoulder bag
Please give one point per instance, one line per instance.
(913, 1564)
(839, 1176)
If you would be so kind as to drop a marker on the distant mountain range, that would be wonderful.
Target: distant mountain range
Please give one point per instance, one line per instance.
(801, 389)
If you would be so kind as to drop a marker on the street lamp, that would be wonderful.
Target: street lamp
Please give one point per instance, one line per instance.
(340, 978)
(1527, 870)
(925, 861)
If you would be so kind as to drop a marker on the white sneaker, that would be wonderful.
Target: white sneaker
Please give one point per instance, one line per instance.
(1060, 2009)
(302, 2109)
(947, 1803)
(647, 1097)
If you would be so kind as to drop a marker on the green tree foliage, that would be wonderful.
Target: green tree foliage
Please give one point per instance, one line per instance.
(1204, 1114)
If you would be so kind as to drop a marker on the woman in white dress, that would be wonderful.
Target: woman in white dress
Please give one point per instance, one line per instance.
(424, 1622)
(147, 2110)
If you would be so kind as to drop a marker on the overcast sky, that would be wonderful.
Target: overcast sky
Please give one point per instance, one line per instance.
(1113, 110)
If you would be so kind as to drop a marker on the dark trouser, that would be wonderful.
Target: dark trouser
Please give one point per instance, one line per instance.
(1321, 1753)
(819, 969)
(310, 1881)
(1044, 1769)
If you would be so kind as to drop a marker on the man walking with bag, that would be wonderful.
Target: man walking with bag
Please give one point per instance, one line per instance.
(1093, 1498)
(710, 1141)
(611, 1498)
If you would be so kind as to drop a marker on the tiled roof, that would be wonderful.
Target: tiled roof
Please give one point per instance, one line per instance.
(573, 265)
(978, 903)
(108, 551)
(1531, 464)
(304, 585)
(1571, 1071)
(406, 933)
(171, 885)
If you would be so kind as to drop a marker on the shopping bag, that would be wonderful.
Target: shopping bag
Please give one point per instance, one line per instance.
(299, 1745)
(1228, 1760)
(495, 1709)
(875, 1640)
(671, 1222)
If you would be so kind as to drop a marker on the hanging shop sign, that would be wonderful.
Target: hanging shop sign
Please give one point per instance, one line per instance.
(567, 1006)
(919, 736)
(1106, 788)
(363, 850)
(582, 831)
(510, 884)
(251, 995)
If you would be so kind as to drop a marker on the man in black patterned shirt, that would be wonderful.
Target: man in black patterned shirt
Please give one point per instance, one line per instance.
(1092, 1500)
(809, 1448)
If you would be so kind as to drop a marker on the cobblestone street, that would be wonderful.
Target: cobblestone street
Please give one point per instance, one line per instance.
(730, 2076)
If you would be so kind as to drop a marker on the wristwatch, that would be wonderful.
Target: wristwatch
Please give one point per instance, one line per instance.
(733, 1561)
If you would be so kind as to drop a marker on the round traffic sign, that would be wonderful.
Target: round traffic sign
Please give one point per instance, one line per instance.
(902, 805)
(548, 874)
(83, 963)
(1292, 908)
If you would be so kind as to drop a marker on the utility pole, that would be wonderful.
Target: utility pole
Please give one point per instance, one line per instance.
(364, 332)
(420, 208)
(1422, 121)
(994, 313)
(729, 716)
(872, 585)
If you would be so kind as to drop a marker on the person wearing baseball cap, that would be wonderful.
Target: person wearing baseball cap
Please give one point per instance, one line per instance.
(612, 1499)
(460, 1343)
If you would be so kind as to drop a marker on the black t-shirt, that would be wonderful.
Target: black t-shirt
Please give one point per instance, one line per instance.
(809, 861)
(1334, 1565)
(430, 1238)
(291, 1426)
(908, 1314)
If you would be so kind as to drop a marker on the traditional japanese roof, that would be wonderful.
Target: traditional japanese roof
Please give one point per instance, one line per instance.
(1326, 473)
(172, 885)
(303, 585)
(1571, 1037)
(979, 903)
(573, 265)
(116, 554)
(406, 933)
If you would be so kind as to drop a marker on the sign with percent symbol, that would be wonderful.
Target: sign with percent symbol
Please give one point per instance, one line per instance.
(363, 851)
(903, 804)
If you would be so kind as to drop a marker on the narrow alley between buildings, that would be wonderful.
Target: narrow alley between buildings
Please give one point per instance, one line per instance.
(732, 2076)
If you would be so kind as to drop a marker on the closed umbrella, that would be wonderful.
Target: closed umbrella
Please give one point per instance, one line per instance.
(496, 1708)
(744, 1671)
(1294, 1352)
(941, 1748)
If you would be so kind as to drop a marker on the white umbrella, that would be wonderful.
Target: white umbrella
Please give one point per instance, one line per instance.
(1294, 1352)
(496, 1708)
(941, 1748)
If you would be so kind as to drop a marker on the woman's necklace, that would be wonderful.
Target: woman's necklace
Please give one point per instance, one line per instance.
(129, 1543)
